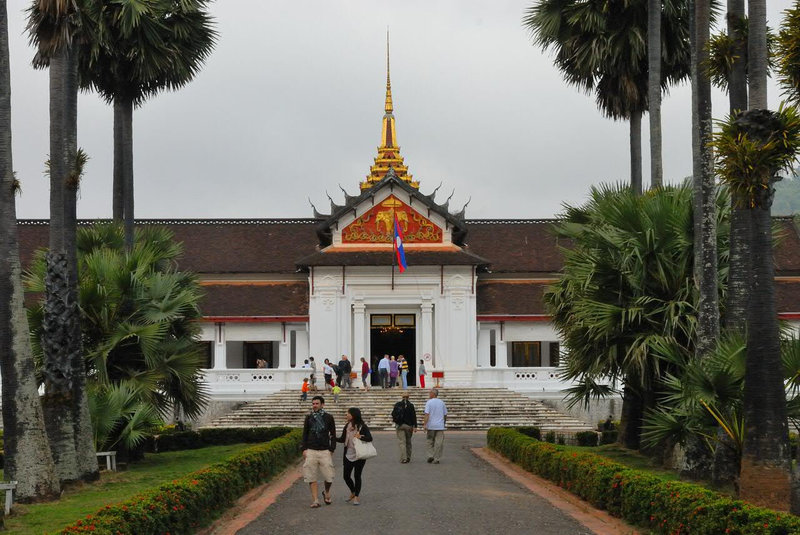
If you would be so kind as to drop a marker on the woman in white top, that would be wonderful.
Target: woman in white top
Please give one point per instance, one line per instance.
(327, 371)
(354, 428)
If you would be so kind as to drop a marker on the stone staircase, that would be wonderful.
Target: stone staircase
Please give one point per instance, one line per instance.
(468, 409)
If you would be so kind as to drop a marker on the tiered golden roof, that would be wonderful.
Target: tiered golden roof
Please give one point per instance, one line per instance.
(389, 151)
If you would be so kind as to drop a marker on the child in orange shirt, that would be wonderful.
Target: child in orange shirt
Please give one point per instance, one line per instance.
(304, 389)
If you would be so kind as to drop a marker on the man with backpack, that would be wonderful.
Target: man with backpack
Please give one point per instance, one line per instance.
(319, 442)
(404, 416)
(345, 368)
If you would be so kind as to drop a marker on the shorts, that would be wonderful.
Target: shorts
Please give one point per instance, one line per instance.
(318, 466)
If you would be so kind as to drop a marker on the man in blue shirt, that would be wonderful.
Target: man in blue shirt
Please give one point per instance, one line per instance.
(434, 424)
(383, 370)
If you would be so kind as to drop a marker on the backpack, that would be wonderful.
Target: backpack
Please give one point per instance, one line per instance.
(397, 414)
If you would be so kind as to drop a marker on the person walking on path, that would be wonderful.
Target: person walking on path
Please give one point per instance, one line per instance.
(354, 428)
(345, 368)
(394, 372)
(404, 416)
(319, 443)
(434, 424)
(422, 373)
(383, 370)
(327, 372)
(365, 372)
(403, 363)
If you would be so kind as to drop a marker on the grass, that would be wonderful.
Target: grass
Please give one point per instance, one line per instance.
(113, 487)
(630, 458)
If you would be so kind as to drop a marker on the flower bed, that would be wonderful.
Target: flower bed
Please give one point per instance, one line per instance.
(189, 503)
(640, 498)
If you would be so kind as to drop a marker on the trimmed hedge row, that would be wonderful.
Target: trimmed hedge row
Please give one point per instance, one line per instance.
(663, 506)
(186, 504)
(212, 436)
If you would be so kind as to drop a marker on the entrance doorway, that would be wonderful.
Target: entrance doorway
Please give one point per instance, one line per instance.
(393, 334)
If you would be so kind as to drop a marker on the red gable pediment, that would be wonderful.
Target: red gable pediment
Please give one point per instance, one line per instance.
(376, 225)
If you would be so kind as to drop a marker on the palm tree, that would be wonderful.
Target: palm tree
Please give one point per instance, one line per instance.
(789, 53)
(752, 147)
(56, 26)
(703, 200)
(600, 47)
(28, 459)
(625, 291)
(146, 47)
(139, 322)
(654, 90)
(757, 53)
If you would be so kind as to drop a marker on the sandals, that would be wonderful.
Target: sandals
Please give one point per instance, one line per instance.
(327, 498)
(315, 505)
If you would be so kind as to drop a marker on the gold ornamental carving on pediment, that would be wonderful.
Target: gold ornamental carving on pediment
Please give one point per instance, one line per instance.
(377, 225)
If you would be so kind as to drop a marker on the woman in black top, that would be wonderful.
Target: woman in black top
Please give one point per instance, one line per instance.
(354, 428)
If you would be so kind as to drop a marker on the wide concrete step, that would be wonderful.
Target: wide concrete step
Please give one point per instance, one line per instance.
(468, 408)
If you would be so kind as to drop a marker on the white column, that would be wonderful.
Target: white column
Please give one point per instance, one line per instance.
(285, 348)
(427, 333)
(220, 359)
(484, 359)
(500, 350)
(359, 335)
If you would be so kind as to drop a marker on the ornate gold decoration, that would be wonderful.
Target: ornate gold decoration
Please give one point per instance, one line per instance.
(377, 225)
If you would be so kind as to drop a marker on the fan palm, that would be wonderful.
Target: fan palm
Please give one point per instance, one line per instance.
(138, 317)
(788, 46)
(626, 289)
(601, 47)
(146, 46)
(56, 27)
(28, 459)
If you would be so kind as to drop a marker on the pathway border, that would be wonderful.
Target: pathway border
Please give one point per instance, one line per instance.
(248, 507)
(600, 522)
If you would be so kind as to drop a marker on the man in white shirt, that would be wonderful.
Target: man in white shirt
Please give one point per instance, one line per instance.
(434, 424)
(383, 370)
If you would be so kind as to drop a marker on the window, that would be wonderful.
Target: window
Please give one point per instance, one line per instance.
(526, 354)
(207, 350)
(255, 351)
(555, 354)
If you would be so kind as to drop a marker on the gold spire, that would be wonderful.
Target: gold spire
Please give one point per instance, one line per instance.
(389, 151)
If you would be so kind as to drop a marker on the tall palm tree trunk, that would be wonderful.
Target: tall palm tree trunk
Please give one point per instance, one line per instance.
(28, 459)
(704, 205)
(726, 464)
(118, 199)
(636, 152)
(654, 90)
(766, 461)
(757, 53)
(123, 135)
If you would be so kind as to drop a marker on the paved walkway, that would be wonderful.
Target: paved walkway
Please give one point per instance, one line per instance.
(463, 495)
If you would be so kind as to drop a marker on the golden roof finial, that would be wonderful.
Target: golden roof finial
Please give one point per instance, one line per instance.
(388, 107)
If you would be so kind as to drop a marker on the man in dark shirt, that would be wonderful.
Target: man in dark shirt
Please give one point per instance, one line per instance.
(345, 367)
(404, 416)
(319, 442)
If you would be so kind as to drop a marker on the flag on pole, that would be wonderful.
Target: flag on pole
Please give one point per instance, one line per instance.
(398, 246)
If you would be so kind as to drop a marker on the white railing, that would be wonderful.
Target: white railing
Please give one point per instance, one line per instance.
(252, 383)
(529, 379)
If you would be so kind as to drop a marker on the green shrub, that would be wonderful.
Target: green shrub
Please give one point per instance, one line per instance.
(184, 505)
(561, 439)
(550, 437)
(657, 504)
(533, 432)
(212, 436)
(609, 437)
(586, 438)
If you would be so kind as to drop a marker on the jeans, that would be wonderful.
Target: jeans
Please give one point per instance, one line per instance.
(404, 378)
(384, 378)
(435, 441)
(354, 486)
(392, 381)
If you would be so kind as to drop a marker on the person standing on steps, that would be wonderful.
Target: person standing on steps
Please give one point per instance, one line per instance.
(344, 372)
(404, 416)
(394, 372)
(354, 428)
(403, 364)
(313, 371)
(421, 373)
(327, 371)
(434, 424)
(365, 372)
(383, 369)
(319, 443)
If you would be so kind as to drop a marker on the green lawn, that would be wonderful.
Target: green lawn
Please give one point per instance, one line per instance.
(113, 487)
(630, 458)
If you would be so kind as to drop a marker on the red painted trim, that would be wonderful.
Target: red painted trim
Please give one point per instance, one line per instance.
(255, 319)
(789, 315)
(520, 317)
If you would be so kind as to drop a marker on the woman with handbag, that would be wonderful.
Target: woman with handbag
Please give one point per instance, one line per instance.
(357, 449)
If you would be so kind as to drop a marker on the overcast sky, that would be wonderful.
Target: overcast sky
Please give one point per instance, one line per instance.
(289, 105)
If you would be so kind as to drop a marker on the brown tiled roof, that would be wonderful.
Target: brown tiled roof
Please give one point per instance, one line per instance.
(787, 251)
(279, 299)
(385, 258)
(515, 246)
(787, 296)
(514, 298)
